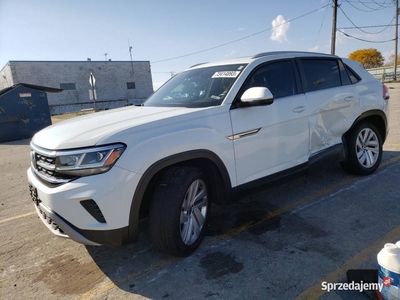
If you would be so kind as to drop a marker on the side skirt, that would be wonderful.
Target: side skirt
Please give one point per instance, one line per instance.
(334, 154)
(330, 155)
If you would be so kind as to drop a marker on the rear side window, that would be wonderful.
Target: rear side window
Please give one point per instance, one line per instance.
(278, 77)
(321, 74)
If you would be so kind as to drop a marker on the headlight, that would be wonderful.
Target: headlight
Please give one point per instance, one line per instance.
(88, 161)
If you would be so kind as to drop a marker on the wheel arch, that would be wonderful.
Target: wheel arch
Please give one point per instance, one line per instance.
(376, 117)
(205, 159)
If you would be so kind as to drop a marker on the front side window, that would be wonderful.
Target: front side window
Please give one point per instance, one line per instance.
(321, 74)
(200, 87)
(278, 77)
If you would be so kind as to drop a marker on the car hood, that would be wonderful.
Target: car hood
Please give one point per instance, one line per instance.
(88, 130)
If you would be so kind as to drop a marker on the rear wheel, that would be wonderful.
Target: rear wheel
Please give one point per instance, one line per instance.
(364, 149)
(179, 210)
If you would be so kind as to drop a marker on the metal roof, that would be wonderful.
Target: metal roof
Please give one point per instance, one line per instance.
(32, 86)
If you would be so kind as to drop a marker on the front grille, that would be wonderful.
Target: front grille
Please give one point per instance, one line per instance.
(43, 163)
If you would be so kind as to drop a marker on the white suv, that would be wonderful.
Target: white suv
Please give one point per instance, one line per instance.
(210, 131)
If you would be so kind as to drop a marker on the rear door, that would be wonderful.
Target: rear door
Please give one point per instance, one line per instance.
(332, 101)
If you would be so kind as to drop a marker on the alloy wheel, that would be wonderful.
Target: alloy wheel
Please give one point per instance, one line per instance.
(193, 212)
(367, 148)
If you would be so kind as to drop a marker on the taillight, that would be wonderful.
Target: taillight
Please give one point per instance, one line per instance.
(385, 92)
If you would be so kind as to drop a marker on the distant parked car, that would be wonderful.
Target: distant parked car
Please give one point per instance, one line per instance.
(210, 131)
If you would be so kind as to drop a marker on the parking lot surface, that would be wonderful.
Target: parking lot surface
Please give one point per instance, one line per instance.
(276, 242)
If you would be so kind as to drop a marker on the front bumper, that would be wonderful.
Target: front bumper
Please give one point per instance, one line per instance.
(61, 208)
(59, 227)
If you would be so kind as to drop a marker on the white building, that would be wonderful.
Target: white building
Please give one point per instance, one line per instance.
(118, 83)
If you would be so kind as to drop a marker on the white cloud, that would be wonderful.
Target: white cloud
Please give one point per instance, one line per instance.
(314, 49)
(241, 29)
(279, 30)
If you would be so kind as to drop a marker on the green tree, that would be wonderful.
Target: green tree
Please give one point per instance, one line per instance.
(368, 58)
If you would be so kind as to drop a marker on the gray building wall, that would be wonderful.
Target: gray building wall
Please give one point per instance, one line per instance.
(111, 82)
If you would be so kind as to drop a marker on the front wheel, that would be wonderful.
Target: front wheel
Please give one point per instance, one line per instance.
(179, 210)
(364, 149)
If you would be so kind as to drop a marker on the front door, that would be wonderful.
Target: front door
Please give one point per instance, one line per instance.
(268, 139)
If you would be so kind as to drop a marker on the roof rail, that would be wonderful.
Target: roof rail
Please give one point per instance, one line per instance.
(287, 52)
(197, 65)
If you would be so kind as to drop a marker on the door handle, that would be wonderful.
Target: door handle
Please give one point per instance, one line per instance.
(349, 98)
(299, 109)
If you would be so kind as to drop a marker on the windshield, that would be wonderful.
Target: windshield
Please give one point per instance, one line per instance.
(197, 88)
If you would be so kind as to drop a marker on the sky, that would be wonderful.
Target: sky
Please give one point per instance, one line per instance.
(176, 34)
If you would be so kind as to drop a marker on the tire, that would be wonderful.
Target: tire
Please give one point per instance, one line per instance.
(178, 220)
(364, 149)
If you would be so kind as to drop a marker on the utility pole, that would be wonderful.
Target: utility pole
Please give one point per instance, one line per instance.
(105, 54)
(334, 17)
(396, 38)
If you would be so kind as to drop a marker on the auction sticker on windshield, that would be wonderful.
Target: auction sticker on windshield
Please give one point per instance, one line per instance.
(226, 74)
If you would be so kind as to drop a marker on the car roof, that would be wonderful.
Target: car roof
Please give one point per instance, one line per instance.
(271, 54)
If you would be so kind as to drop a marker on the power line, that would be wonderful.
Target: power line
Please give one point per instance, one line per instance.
(368, 41)
(359, 28)
(319, 30)
(370, 9)
(373, 2)
(381, 7)
(241, 39)
(370, 26)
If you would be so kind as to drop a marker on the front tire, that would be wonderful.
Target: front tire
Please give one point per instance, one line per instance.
(364, 149)
(179, 210)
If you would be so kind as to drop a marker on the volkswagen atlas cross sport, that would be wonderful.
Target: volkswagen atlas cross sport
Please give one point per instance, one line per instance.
(207, 133)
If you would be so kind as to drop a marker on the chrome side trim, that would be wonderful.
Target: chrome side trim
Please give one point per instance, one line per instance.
(243, 134)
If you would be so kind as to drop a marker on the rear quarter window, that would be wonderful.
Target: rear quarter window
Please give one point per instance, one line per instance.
(353, 75)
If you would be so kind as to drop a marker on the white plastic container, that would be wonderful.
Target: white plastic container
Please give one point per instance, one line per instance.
(389, 271)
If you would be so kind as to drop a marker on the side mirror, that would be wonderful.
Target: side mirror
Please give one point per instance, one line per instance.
(257, 96)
